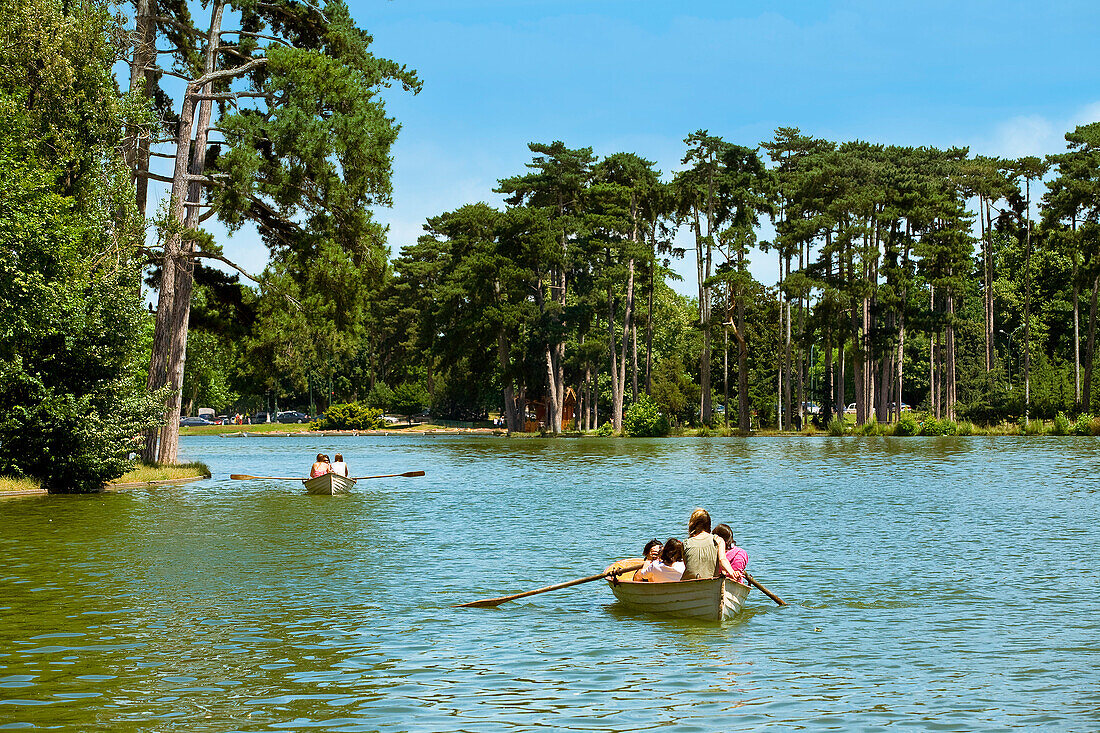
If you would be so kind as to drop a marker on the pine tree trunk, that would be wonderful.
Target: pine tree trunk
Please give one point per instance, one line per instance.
(1090, 347)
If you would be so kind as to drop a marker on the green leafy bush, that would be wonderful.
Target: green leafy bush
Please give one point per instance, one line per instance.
(964, 427)
(906, 426)
(643, 419)
(1081, 427)
(1062, 425)
(869, 428)
(932, 426)
(349, 416)
(605, 430)
(838, 426)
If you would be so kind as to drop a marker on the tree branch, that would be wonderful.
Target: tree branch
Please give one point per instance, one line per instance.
(246, 273)
(254, 35)
(228, 73)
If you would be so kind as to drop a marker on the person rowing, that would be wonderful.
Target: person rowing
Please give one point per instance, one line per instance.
(704, 553)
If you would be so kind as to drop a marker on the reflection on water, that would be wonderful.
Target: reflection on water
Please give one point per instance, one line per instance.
(933, 583)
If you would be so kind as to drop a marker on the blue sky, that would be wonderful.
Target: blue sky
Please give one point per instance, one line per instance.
(1004, 78)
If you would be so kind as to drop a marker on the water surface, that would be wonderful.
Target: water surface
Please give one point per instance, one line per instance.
(934, 584)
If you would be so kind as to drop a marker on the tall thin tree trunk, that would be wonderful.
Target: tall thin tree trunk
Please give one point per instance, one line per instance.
(1090, 347)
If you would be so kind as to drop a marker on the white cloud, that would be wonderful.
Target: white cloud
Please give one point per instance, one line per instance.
(1033, 134)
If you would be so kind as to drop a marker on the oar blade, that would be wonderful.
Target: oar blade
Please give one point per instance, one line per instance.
(487, 603)
(413, 474)
(240, 476)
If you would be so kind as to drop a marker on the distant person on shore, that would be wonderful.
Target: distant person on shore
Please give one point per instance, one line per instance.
(669, 567)
(320, 467)
(704, 553)
(339, 467)
(737, 557)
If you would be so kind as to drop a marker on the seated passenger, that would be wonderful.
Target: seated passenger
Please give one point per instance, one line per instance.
(704, 553)
(320, 467)
(669, 567)
(651, 552)
(737, 557)
(339, 467)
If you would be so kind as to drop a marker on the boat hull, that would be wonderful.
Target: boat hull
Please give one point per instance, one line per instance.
(712, 599)
(328, 484)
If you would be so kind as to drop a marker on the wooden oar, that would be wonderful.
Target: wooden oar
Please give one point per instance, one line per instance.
(246, 477)
(765, 591)
(407, 474)
(492, 602)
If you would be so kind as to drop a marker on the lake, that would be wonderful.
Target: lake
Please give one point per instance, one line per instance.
(933, 583)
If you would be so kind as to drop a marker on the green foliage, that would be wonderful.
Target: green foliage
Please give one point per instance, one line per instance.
(964, 427)
(71, 321)
(906, 426)
(869, 428)
(934, 427)
(838, 426)
(643, 419)
(1083, 424)
(380, 397)
(1031, 427)
(674, 391)
(1062, 425)
(606, 430)
(349, 416)
(410, 398)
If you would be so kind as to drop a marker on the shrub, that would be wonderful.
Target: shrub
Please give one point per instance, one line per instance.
(605, 430)
(871, 427)
(1081, 427)
(643, 419)
(1062, 425)
(348, 416)
(838, 426)
(932, 426)
(964, 427)
(906, 426)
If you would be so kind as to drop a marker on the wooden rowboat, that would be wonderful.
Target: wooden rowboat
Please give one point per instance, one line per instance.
(713, 599)
(328, 484)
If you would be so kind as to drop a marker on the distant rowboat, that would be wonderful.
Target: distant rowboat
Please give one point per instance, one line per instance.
(714, 599)
(328, 484)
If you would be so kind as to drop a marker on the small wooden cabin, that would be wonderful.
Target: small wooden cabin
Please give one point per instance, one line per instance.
(537, 408)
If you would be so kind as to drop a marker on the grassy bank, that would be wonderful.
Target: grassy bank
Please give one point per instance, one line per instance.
(19, 484)
(146, 473)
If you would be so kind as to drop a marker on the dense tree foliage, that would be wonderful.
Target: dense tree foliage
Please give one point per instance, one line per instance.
(71, 317)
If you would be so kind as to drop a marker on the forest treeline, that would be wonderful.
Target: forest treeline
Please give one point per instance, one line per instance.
(906, 276)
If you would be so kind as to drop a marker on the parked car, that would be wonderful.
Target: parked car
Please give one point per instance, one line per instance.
(851, 409)
(390, 419)
(221, 420)
(259, 418)
(289, 416)
(191, 422)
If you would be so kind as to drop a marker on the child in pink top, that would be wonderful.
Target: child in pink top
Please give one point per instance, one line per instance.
(737, 557)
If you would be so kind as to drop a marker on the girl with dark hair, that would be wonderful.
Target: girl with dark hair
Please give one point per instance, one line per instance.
(669, 567)
(736, 556)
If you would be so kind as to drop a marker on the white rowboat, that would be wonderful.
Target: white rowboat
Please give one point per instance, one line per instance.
(328, 484)
(714, 599)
